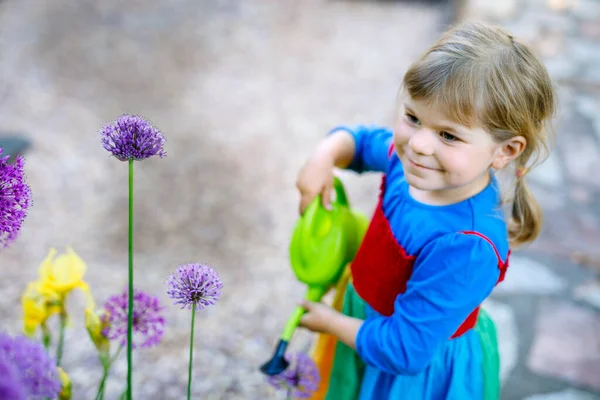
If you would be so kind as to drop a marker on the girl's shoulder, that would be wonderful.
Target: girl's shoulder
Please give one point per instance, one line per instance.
(459, 256)
(415, 224)
(482, 237)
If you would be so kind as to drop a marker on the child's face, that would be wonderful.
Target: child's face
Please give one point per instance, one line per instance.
(446, 159)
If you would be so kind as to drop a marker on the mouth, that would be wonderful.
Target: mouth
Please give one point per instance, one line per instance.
(419, 166)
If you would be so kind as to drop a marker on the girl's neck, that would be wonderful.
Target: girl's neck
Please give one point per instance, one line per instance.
(449, 196)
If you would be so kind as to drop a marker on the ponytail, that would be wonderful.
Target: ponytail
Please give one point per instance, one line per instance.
(526, 220)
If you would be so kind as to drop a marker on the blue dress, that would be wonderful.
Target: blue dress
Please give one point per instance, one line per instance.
(409, 355)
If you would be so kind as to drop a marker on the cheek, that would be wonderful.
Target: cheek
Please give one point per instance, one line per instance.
(463, 164)
(402, 133)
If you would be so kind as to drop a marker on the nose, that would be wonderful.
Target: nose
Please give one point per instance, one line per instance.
(422, 142)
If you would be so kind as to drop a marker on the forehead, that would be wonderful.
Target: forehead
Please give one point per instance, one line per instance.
(450, 106)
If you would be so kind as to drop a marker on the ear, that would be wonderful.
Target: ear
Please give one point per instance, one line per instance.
(507, 151)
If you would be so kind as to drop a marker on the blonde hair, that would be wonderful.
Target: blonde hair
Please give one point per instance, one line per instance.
(481, 76)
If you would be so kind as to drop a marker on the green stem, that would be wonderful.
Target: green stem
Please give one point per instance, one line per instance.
(46, 336)
(130, 307)
(189, 393)
(106, 365)
(100, 393)
(61, 337)
(114, 357)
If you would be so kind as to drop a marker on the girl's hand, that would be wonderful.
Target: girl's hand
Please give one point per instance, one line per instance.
(316, 177)
(318, 316)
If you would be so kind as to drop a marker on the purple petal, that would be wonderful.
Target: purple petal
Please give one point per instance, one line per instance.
(15, 199)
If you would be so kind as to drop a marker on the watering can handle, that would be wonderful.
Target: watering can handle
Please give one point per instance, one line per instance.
(340, 193)
(315, 211)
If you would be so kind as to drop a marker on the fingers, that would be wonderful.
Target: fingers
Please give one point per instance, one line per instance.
(305, 200)
(326, 196)
(304, 321)
(306, 317)
(306, 193)
(306, 197)
(307, 305)
(314, 178)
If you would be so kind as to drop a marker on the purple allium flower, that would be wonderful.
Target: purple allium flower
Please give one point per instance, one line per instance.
(36, 370)
(194, 284)
(148, 322)
(15, 198)
(132, 138)
(301, 379)
(10, 382)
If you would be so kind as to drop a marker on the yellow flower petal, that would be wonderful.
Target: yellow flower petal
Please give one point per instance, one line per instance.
(95, 326)
(69, 267)
(66, 386)
(38, 305)
(63, 273)
(85, 288)
(46, 266)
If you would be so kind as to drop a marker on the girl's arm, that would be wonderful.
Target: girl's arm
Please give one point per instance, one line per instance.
(451, 277)
(359, 149)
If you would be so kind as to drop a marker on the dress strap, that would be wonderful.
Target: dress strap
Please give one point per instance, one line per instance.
(471, 320)
(502, 265)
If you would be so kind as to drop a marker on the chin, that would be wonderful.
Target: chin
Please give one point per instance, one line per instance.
(421, 183)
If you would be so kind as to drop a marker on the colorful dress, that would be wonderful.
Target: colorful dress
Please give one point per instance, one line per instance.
(418, 280)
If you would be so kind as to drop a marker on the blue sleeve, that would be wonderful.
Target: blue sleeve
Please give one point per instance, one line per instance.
(451, 277)
(372, 145)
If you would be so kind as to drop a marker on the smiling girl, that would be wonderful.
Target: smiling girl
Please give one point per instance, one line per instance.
(438, 243)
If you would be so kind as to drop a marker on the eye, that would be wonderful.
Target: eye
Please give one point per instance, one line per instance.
(412, 119)
(448, 136)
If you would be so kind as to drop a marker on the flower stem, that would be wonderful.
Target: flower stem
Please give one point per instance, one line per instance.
(46, 336)
(130, 307)
(61, 336)
(100, 393)
(106, 365)
(189, 392)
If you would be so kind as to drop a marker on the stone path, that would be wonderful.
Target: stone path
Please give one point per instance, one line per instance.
(548, 309)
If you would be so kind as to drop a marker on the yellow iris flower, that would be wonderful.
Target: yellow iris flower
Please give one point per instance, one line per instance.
(95, 326)
(66, 386)
(39, 304)
(46, 296)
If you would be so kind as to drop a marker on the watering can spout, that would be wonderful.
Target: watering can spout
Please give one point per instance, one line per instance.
(277, 364)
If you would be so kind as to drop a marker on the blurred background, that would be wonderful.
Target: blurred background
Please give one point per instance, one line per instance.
(242, 91)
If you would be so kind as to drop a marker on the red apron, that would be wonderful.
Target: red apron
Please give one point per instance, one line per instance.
(382, 268)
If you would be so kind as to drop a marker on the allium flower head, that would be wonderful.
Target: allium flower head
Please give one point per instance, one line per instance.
(132, 138)
(148, 322)
(194, 284)
(36, 370)
(15, 198)
(10, 382)
(301, 378)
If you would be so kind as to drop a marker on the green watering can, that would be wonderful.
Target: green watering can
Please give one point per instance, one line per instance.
(323, 243)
